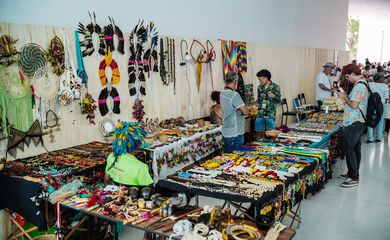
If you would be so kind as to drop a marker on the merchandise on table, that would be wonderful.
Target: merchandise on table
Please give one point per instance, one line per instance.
(326, 118)
(333, 104)
(60, 163)
(176, 147)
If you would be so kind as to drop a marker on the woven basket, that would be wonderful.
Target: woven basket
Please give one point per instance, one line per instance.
(46, 237)
(272, 133)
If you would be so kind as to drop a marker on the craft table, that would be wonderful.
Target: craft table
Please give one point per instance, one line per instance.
(22, 185)
(146, 226)
(178, 146)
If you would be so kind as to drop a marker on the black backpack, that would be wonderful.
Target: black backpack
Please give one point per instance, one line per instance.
(374, 108)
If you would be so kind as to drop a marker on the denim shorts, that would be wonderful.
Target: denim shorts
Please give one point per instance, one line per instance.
(263, 124)
(233, 143)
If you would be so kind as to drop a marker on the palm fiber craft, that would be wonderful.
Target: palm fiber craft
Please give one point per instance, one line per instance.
(32, 58)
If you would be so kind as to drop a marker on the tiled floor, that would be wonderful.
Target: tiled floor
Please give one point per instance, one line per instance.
(337, 213)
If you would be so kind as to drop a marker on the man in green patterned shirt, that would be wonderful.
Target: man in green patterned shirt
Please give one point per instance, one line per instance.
(268, 96)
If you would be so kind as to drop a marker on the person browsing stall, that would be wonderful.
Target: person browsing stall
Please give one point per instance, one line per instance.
(122, 166)
(233, 114)
(323, 84)
(215, 110)
(353, 122)
(383, 90)
(268, 96)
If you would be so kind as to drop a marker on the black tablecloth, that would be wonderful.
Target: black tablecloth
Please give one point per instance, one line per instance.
(265, 198)
(19, 195)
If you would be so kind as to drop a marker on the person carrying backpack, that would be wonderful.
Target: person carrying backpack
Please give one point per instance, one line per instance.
(383, 91)
(353, 122)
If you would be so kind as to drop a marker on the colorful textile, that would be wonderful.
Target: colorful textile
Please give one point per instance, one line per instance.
(234, 57)
(242, 64)
(358, 94)
(267, 106)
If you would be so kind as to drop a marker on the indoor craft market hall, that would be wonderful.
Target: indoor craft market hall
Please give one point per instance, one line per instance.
(173, 120)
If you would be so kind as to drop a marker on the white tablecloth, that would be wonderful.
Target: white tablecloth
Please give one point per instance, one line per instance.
(177, 146)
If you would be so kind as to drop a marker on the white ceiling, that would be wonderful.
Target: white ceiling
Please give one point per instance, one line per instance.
(379, 9)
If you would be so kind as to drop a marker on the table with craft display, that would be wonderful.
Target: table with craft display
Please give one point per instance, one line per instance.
(29, 182)
(177, 145)
(269, 177)
(318, 131)
(159, 216)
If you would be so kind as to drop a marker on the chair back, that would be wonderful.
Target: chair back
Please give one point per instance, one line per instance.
(297, 104)
(284, 105)
(302, 98)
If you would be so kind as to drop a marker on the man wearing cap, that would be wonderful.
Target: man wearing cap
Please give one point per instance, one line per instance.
(233, 114)
(323, 84)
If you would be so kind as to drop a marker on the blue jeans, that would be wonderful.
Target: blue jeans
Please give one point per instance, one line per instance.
(263, 124)
(379, 131)
(233, 143)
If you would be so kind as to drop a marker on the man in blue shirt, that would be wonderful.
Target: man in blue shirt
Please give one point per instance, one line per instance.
(233, 114)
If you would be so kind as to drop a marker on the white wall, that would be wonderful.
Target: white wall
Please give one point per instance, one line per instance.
(370, 40)
(307, 23)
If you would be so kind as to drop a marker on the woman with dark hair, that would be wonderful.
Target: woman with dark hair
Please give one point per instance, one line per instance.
(353, 122)
(216, 110)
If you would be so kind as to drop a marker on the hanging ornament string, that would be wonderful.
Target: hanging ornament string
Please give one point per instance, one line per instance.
(171, 60)
(55, 54)
(32, 58)
(163, 70)
(210, 59)
(199, 60)
(184, 58)
(229, 54)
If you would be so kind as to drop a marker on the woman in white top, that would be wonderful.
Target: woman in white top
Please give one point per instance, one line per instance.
(383, 90)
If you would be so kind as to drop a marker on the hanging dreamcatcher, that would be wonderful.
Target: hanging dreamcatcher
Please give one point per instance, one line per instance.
(136, 68)
(31, 59)
(45, 93)
(150, 55)
(55, 55)
(110, 31)
(93, 37)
